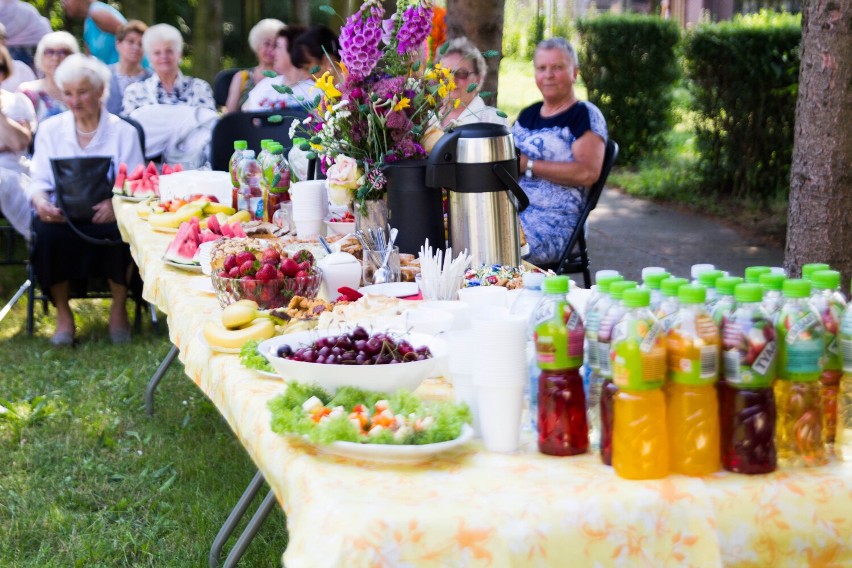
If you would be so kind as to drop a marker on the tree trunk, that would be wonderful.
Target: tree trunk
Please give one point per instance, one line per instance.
(144, 10)
(207, 39)
(482, 22)
(301, 12)
(818, 226)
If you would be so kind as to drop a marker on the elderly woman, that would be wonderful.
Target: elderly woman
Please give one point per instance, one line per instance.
(263, 41)
(562, 142)
(45, 94)
(265, 96)
(318, 47)
(163, 46)
(17, 123)
(468, 67)
(128, 69)
(61, 256)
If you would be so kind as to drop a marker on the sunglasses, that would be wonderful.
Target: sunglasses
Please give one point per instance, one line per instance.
(56, 52)
(462, 74)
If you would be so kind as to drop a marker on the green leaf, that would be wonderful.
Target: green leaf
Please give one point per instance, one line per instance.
(472, 87)
(269, 73)
(316, 140)
(416, 66)
(364, 109)
(311, 155)
(304, 147)
(328, 10)
(485, 94)
(444, 47)
(502, 114)
(314, 70)
(490, 53)
(284, 89)
(275, 118)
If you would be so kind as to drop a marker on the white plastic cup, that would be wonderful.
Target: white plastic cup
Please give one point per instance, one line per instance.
(310, 199)
(308, 228)
(460, 354)
(499, 352)
(499, 410)
(458, 309)
(431, 322)
(465, 391)
(484, 296)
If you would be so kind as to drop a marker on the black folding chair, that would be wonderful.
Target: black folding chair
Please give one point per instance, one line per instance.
(222, 83)
(251, 127)
(575, 257)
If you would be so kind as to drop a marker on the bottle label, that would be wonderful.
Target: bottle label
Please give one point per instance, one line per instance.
(709, 363)
(803, 344)
(257, 207)
(603, 359)
(846, 354)
(639, 361)
(653, 337)
(693, 355)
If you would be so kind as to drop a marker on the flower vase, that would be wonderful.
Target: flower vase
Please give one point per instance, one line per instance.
(414, 208)
(371, 213)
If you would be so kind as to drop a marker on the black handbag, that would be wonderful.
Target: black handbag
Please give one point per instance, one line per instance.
(82, 183)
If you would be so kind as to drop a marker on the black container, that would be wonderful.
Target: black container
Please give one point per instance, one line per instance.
(416, 210)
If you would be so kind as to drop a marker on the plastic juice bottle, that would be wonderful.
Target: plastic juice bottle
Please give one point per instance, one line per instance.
(652, 283)
(251, 196)
(234, 169)
(828, 303)
(752, 273)
(843, 438)
(746, 398)
(798, 431)
(562, 427)
(772, 298)
(725, 302)
(277, 179)
(811, 267)
(526, 305)
(693, 344)
(608, 389)
(669, 305)
(697, 269)
(640, 445)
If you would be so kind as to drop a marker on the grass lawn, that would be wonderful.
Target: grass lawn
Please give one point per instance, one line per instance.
(86, 477)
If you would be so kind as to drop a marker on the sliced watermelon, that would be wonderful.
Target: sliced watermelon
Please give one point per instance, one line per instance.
(207, 235)
(237, 229)
(213, 225)
(185, 244)
(151, 170)
(167, 169)
(178, 168)
(136, 173)
(226, 230)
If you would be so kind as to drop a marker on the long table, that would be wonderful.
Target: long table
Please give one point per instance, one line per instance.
(474, 508)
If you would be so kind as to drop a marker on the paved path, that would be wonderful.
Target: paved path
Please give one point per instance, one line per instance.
(627, 234)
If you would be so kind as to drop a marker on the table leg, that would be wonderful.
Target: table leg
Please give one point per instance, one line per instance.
(158, 376)
(234, 518)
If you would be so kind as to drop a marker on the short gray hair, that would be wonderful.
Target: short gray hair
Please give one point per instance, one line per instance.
(78, 67)
(561, 44)
(160, 33)
(268, 27)
(54, 40)
(466, 50)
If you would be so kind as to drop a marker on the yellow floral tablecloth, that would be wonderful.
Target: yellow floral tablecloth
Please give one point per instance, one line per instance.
(473, 508)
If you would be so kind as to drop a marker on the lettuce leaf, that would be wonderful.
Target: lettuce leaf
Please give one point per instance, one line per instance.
(252, 359)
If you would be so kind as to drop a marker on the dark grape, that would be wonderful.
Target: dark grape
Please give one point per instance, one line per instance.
(285, 351)
(359, 333)
(357, 347)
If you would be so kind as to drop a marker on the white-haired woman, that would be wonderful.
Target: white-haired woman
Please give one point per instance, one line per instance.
(44, 93)
(163, 47)
(262, 42)
(468, 67)
(61, 257)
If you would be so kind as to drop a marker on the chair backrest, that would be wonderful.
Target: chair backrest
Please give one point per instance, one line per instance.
(222, 83)
(251, 127)
(139, 130)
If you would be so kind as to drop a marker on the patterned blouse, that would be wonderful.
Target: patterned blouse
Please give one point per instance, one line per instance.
(45, 105)
(554, 209)
(187, 90)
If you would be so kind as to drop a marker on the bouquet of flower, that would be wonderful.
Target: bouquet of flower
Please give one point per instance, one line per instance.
(383, 102)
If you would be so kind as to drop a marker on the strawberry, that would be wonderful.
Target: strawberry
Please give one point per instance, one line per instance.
(244, 257)
(270, 256)
(247, 268)
(266, 273)
(303, 256)
(224, 274)
(234, 272)
(302, 274)
(230, 261)
(305, 266)
(289, 267)
(267, 295)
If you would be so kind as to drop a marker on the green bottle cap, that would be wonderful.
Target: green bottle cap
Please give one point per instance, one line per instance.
(796, 288)
(616, 289)
(692, 294)
(771, 281)
(708, 278)
(810, 268)
(605, 282)
(752, 273)
(555, 285)
(669, 286)
(726, 284)
(653, 280)
(240, 145)
(826, 279)
(748, 292)
(636, 298)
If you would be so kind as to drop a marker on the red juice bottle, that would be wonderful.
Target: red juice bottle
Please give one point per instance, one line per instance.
(746, 398)
(562, 426)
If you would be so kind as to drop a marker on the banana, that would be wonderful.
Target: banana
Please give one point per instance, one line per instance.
(259, 329)
(239, 314)
(241, 216)
(212, 208)
(173, 220)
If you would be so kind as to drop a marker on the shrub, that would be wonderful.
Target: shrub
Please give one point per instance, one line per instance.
(743, 75)
(629, 65)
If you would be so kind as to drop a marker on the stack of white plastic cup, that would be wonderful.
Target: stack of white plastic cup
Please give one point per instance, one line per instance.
(310, 205)
(459, 310)
(484, 296)
(460, 363)
(499, 375)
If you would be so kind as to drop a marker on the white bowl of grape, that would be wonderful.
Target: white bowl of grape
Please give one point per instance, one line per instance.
(377, 360)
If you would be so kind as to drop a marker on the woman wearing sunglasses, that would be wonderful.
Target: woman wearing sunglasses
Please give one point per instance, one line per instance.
(45, 94)
(469, 68)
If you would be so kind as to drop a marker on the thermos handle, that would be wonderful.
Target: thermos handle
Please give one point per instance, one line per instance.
(516, 193)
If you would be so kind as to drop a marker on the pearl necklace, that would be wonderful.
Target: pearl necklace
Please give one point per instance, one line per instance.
(84, 133)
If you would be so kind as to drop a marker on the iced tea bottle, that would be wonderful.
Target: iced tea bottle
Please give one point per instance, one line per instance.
(693, 345)
(277, 178)
(725, 303)
(772, 298)
(811, 267)
(798, 431)
(752, 273)
(652, 283)
(639, 438)
(708, 279)
(669, 305)
(608, 389)
(562, 426)
(746, 398)
(234, 170)
(828, 303)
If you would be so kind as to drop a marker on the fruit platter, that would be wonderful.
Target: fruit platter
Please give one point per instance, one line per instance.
(384, 360)
(184, 250)
(390, 427)
(167, 216)
(142, 183)
(239, 323)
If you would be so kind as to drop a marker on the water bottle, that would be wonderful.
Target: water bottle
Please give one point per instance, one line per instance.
(772, 298)
(251, 196)
(234, 170)
(708, 280)
(652, 282)
(725, 303)
(526, 305)
(811, 267)
(752, 273)
(697, 269)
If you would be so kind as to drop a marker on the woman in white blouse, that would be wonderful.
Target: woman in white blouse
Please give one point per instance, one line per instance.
(62, 257)
(265, 95)
(468, 67)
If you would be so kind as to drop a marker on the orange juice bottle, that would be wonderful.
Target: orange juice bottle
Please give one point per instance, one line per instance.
(693, 345)
(640, 445)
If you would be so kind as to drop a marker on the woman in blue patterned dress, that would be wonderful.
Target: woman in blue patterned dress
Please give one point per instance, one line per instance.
(562, 142)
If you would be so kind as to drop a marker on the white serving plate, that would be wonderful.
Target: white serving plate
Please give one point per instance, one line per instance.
(203, 285)
(170, 230)
(182, 266)
(373, 377)
(133, 199)
(386, 453)
(339, 227)
(392, 289)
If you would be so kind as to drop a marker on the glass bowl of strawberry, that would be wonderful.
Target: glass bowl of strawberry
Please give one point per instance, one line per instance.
(268, 277)
(340, 223)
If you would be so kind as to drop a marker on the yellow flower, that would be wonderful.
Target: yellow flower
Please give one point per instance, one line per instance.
(326, 84)
(456, 103)
(405, 102)
(442, 91)
(430, 99)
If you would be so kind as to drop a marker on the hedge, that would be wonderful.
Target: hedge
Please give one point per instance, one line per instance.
(629, 65)
(743, 76)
